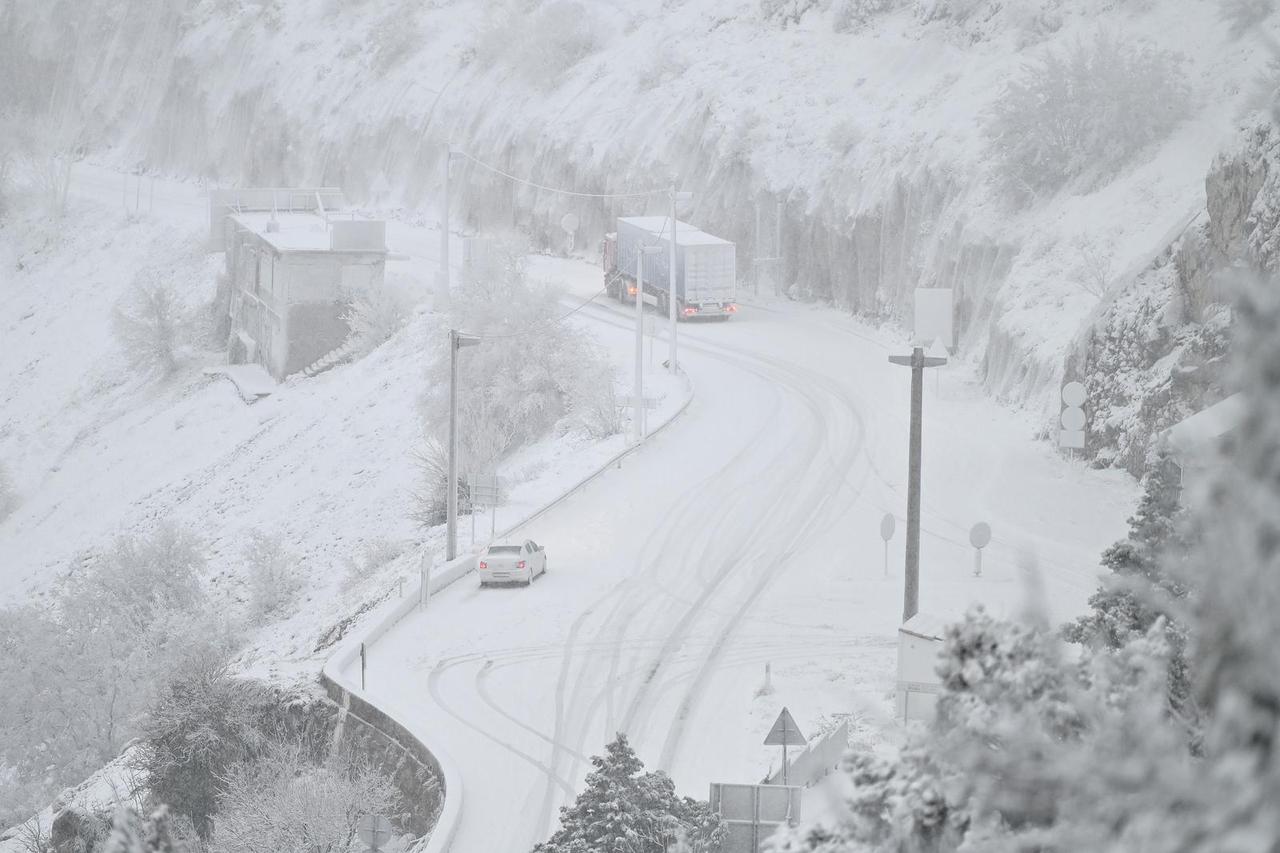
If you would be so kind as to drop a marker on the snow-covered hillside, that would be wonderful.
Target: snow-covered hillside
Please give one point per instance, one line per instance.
(871, 121)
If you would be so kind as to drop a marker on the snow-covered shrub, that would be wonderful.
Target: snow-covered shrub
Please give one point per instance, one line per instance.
(160, 832)
(8, 494)
(542, 44)
(844, 135)
(150, 324)
(397, 35)
(94, 659)
(285, 801)
(274, 580)
(1242, 16)
(374, 315)
(205, 723)
(373, 555)
(1084, 112)
(852, 15)
(787, 12)
(596, 403)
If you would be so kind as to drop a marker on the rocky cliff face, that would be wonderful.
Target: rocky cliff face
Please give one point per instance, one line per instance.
(1155, 351)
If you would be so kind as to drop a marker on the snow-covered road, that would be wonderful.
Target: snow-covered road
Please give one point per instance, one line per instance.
(745, 534)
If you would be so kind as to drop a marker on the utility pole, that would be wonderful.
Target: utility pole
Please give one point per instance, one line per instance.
(457, 340)
(442, 281)
(640, 410)
(917, 361)
(673, 302)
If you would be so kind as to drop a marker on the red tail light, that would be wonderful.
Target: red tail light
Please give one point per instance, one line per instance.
(483, 564)
(690, 311)
(520, 565)
(731, 308)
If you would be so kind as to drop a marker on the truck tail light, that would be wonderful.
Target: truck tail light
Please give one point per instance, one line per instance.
(631, 291)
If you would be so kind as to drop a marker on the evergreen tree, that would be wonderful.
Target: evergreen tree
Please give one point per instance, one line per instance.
(1143, 584)
(625, 810)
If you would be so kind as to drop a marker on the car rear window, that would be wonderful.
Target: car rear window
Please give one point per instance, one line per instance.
(504, 549)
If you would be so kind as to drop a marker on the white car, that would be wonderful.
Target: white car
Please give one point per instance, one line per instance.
(511, 563)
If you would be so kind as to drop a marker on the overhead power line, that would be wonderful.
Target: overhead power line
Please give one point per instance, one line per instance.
(490, 167)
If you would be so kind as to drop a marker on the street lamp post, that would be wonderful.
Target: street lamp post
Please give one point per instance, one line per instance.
(640, 411)
(457, 340)
(917, 361)
(442, 277)
(673, 303)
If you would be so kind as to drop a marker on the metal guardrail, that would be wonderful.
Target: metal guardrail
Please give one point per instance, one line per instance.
(348, 695)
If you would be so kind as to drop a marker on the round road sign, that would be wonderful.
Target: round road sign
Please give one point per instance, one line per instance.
(1073, 394)
(887, 524)
(1072, 418)
(569, 222)
(980, 535)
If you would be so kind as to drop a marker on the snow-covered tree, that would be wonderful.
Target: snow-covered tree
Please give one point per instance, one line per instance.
(274, 581)
(1084, 112)
(150, 324)
(1145, 585)
(205, 723)
(625, 810)
(79, 673)
(534, 371)
(283, 800)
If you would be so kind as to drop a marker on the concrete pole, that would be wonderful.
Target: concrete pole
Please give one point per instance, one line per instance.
(673, 301)
(442, 282)
(638, 425)
(451, 530)
(911, 589)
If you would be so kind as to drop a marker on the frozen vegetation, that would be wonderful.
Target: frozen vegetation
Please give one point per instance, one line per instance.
(174, 563)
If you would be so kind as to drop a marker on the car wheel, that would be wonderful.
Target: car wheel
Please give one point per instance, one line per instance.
(483, 584)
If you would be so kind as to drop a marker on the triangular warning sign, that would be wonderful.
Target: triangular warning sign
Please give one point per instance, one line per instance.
(785, 732)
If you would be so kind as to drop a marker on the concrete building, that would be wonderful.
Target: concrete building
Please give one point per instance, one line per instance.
(292, 272)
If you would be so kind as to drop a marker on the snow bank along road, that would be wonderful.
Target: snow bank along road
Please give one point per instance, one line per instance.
(745, 533)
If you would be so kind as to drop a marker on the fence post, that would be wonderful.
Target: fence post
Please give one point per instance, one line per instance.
(362, 662)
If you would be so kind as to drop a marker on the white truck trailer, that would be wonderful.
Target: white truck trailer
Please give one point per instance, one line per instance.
(706, 274)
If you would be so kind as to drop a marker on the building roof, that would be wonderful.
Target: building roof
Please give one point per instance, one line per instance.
(686, 234)
(925, 626)
(305, 231)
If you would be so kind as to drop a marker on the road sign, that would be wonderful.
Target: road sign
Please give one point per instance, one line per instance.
(485, 489)
(934, 309)
(753, 813)
(569, 222)
(1072, 419)
(375, 831)
(785, 732)
(887, 525)
(979, 538)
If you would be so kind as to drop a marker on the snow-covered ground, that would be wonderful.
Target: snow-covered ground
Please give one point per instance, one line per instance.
(746, 534)
(327, 462)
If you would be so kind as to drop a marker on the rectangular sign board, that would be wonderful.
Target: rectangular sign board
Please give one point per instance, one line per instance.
(934, 311)
(753, 813)
(1072, 439)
